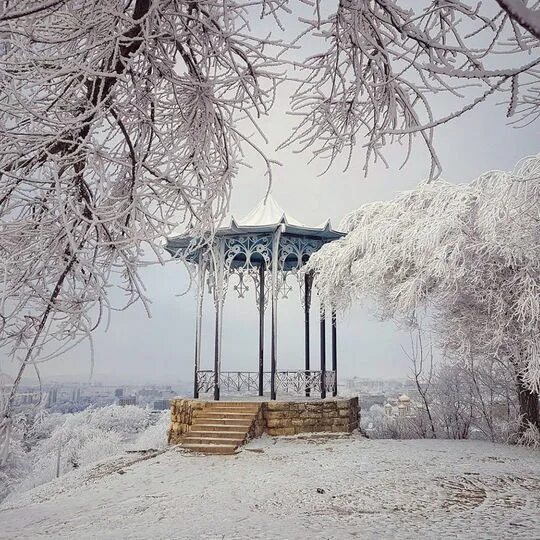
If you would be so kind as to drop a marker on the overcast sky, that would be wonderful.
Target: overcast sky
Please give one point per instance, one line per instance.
(138, 349)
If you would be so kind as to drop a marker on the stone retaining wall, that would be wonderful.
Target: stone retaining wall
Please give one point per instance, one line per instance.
(277, 417)
(292, 417)
(182, 417)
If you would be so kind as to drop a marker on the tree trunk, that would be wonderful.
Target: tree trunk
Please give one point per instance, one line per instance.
(528, 406)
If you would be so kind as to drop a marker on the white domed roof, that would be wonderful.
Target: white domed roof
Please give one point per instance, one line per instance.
(404, 397)
(267, 213)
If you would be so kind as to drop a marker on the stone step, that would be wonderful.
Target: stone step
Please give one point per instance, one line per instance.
(240, 425)
(224, 410)
(210, 448)
(232, 405)
(240, 434)
(229, 410)
(224, 415)
(211, 425)
(219, 419)
(191, 438)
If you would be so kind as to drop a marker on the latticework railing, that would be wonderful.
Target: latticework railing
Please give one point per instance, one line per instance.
(205, 381)
(245, 382)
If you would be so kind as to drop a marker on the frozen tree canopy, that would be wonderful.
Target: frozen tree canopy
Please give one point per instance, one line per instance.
(118, 121)
(468, 254)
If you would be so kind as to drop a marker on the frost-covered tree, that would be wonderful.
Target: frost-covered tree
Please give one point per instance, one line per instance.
(118, 121)
(475, 398)
(121, 119)
(466, 255)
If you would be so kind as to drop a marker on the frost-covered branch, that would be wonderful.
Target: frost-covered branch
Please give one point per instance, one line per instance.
(382, 63)
(528, 17)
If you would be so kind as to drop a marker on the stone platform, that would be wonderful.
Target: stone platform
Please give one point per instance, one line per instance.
(222, 426)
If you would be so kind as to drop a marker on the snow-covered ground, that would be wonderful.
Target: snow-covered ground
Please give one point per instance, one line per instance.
(293, 488)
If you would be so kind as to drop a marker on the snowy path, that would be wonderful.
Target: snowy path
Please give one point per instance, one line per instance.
(369, 489)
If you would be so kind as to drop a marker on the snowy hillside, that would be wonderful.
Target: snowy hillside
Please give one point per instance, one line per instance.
(293, 488)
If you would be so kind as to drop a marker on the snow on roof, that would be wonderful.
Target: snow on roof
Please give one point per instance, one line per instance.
(266, 213)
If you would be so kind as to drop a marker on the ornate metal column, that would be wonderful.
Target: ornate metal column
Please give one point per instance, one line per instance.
(261, 329)
(323, 352)
(219, 296)
(275, 262)
(201, 270)
(308, 281)
(334, 351)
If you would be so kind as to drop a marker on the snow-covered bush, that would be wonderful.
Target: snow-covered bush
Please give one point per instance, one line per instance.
(530, 437)
(463, 402)
(16, 467)
(477, 399)
(377, 425)
(127, 420)
(71, 445)
(371, 421)
(42, 426)
(57, 444)
(155, 436)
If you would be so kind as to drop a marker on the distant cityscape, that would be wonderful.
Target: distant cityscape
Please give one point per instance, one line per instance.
(74, 397)
(71, 397)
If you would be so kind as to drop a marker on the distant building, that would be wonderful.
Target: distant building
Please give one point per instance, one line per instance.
(119, 392)
(403, 407)
(161, 404)
(127, 400)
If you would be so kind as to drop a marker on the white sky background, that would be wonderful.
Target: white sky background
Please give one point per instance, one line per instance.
(159, 349)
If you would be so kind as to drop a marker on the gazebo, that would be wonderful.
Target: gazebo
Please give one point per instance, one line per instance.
(269, 247)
